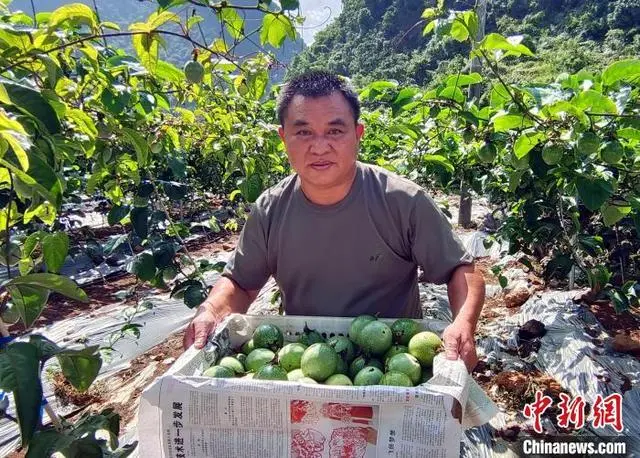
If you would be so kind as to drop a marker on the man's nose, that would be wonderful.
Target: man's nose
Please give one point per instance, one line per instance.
(320, 144)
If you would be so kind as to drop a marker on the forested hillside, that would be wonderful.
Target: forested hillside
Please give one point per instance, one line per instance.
(381, 39)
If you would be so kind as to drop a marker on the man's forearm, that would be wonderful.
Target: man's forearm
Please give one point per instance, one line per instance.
(466, 290)
(227, 297)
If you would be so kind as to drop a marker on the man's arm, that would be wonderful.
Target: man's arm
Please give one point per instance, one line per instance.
(466, 290)
(226, 297)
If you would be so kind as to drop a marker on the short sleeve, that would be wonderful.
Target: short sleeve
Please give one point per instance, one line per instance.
(248, 265)
(434, 245)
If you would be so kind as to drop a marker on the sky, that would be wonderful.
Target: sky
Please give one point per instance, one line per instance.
(318, 14)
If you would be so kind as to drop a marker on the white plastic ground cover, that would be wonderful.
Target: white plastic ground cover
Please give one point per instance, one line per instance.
(165, 318)
(474, 244)
(568, 354)
(237, 329)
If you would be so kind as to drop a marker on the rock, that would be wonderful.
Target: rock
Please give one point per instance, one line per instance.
(169, 361)
(517, 297)
(627, 343)
(509, 433)
(227, 247)
(531, 329)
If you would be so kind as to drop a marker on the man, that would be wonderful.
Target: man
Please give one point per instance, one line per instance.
(342, 238)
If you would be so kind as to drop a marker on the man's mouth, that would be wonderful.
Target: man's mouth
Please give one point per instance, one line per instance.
(321, 165)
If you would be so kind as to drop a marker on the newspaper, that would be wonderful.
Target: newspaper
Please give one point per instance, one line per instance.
(193, 416)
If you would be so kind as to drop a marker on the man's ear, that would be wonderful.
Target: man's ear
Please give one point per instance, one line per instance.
(359, 131)
(281, 132)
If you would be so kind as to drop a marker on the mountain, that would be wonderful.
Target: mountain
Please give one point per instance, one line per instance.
(382, 39)
(178, 51)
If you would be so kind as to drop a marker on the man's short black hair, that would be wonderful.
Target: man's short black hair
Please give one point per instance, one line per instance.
(317, 83)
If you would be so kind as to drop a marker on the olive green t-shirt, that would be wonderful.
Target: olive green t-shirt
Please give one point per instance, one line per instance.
(359, 256)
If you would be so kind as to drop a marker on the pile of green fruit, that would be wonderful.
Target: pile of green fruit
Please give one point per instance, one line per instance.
(372, 354)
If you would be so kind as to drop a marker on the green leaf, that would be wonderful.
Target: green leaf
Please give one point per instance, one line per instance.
(624, 70)
(110, 25)
(46, 179)
(194, 295)
(289, 4)
(506, 122)
(251, 187)
(20, 374)
(143, 266)
(636, 222)
(46, 442)
(453, 93)
(163, 254)
(31, 242)
(83, 122)
(497, 42)
(55, 248)
(115, 102)
(33, 103)
(458, 31)
(404, 97)
(113, 243)
(140, 221)
(275, 28)
(76, 13)
(168, 72)
(58, 283)
(80, 367)
(46, 348)
(499, 95)
(174, 190)
(29, 302)
(430, 13)
(139, 144)
(159, 18)
(147, 47)
(166, 4)
(594, 101)
(526, 142)
(439, 160)
(117, 214)
(611, 214)
(233, 22)
(628, 133)
(463, 80)
(594, 192)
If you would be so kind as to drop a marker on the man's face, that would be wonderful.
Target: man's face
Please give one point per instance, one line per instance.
(322, 139)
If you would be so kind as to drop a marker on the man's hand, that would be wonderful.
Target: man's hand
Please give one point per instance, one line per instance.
(459, 341)
(466, 296)
(203, 324)
(225, 298)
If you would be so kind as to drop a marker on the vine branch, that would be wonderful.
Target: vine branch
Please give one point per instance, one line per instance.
(24, 60)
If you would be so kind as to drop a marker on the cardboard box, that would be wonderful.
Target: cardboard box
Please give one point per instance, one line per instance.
(183, 414)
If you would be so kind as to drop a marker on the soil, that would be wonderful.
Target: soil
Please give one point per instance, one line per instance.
(159, 358)
(102, 291)
(615, 322)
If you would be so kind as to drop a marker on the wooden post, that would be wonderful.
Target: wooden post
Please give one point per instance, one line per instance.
(475, 91)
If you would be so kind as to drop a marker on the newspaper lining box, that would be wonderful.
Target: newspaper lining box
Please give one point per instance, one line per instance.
(183, 414)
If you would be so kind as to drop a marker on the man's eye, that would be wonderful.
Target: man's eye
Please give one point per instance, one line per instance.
(335, 132)
(303, 132)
